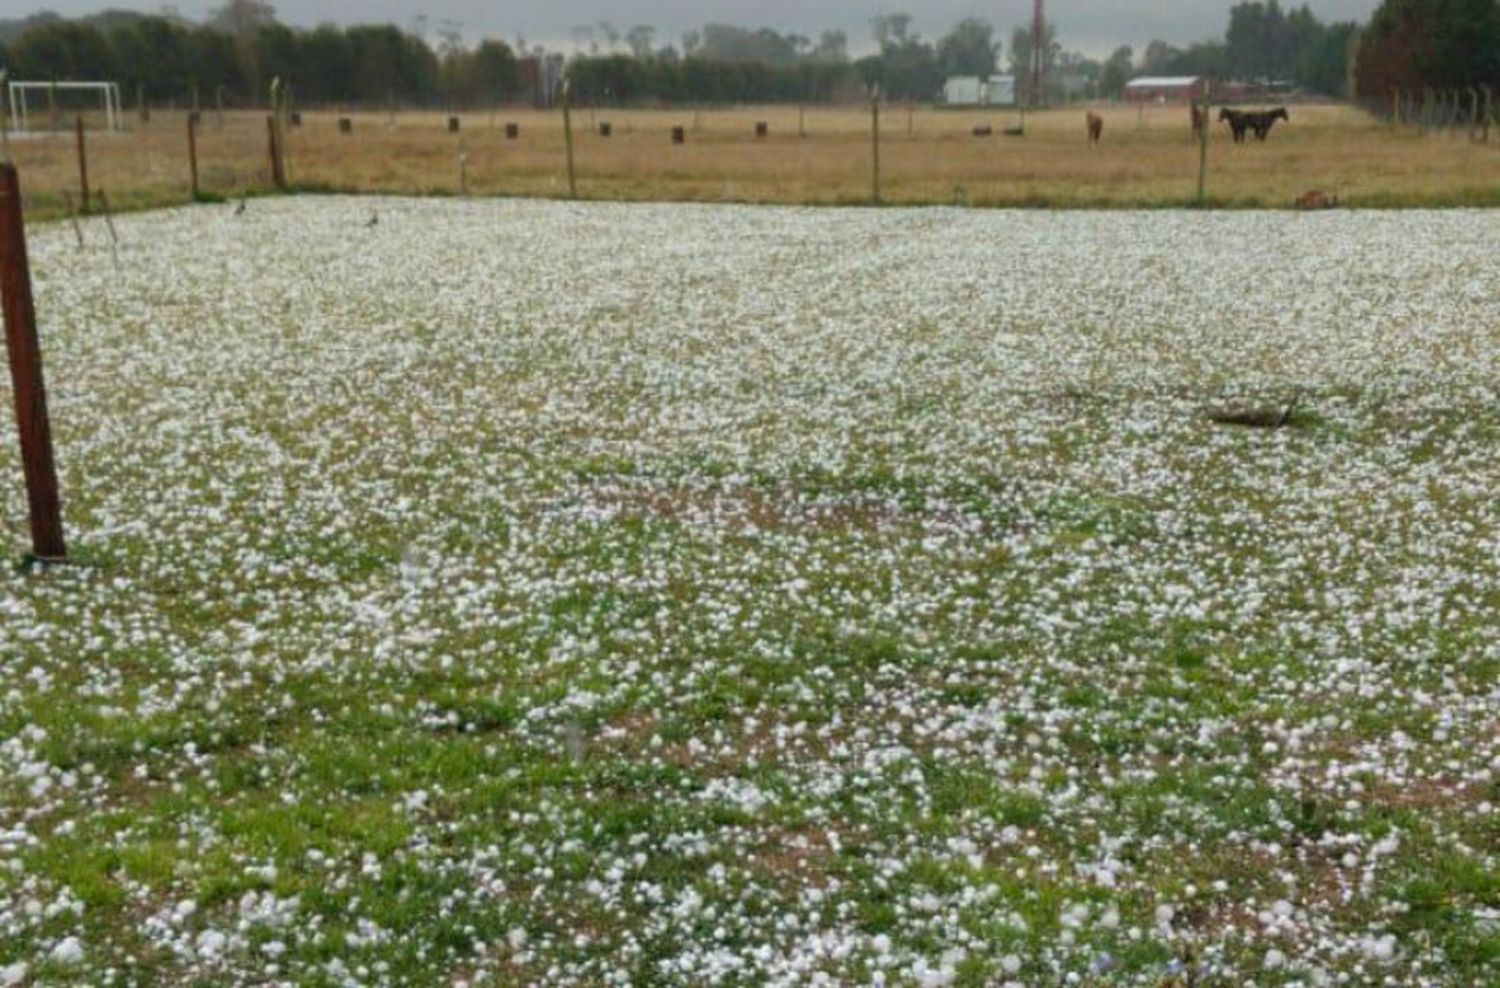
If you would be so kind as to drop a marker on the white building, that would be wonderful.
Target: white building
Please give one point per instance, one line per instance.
(972, 90)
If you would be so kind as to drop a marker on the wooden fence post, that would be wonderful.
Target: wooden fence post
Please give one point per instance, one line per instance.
(1203, 153)
(1487, 117)
(30, 389)
(567, 108)
(83, 164)
(278, 176)
(875, 144)
(193, 152)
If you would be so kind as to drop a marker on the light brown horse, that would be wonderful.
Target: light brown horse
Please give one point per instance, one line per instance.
(1096, 127)
(1200, 120)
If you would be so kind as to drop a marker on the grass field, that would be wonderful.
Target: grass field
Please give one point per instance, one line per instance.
(928, 157)
(627, 594)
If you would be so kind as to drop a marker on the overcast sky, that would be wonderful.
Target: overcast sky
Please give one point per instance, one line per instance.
(1091, 25)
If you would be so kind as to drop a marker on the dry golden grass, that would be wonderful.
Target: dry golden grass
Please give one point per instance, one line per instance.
(1147, 158)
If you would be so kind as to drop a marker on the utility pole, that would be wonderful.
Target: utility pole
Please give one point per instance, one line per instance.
(1038, 53)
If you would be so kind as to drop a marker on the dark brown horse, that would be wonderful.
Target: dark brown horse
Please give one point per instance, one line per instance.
(1238, 123)
(1258, 122)
(1262, 122)
(1096, 127)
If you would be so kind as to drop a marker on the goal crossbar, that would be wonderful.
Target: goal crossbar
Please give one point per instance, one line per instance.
(20, 109)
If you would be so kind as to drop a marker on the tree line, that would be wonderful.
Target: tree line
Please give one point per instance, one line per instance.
(1436, 44)
(242, 47)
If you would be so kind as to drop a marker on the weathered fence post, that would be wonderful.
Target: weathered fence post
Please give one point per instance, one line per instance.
(567, 108)
(1395, 106)
(192, 124)
(875, 144)
(273, 130)
(278, 176)
(219, 108)
(1203, 153)
(83, 164)
(802, 121)
(142, 110)
(30, 389)
(1488, 116)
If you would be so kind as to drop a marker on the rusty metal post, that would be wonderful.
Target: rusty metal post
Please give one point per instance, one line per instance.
(25, 354)
(83, 165)
(193, 152)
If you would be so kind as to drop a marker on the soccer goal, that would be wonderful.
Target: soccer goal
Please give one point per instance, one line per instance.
(108, 94)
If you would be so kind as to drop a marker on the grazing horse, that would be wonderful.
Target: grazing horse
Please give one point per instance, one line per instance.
(1262, 123)
(1096, 127)
(1238, 121)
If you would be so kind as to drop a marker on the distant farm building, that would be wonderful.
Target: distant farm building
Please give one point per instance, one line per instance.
(1166, 89)
(973, 90)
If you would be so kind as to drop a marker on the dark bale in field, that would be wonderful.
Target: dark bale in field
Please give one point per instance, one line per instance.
(453, 125)
(346, 126)
(1257, 416)
(983, 130)
(679, 135)
(762, 129)
(512, 131)
(606, 129)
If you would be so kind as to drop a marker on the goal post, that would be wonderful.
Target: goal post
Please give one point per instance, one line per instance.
(20, 105)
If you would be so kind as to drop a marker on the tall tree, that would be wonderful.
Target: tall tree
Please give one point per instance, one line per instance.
(1116, 72)
(641, 38)
(969, 48)
(242, 18)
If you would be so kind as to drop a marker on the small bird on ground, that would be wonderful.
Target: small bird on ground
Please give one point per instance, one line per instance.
(240, 209)
(374, 219)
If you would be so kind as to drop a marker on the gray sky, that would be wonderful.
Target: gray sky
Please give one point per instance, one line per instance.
(1090, 25)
